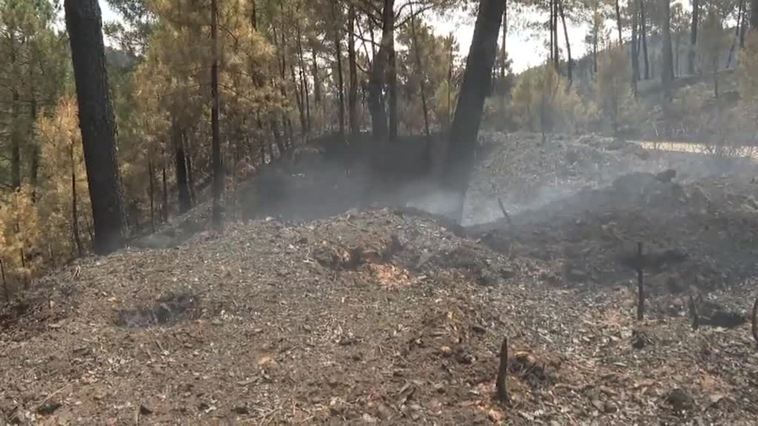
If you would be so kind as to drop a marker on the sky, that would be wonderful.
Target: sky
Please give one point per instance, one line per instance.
(524, 49)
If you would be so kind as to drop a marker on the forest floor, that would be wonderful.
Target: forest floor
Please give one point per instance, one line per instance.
(395, 316)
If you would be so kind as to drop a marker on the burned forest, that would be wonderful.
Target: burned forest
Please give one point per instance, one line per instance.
(379, 212)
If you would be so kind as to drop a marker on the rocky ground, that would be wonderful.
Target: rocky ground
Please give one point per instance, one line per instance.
(397, 317)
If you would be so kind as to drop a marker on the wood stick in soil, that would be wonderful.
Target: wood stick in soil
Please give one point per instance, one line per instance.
(504, 211)
(693, 313)
(7, 292)
(640, 285)
(755, 321)
(502, 373)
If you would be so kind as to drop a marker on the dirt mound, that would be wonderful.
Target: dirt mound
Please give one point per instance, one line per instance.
(368, 317)
(700, 235)
(524, 173)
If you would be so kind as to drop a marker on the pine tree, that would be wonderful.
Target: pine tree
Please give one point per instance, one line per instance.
(97, 122)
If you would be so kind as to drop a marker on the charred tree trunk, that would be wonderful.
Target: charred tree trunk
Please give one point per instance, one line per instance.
(75, 205)
(503, 50)
(618, 22)
(421, 74)
(569, 64)
(754, 14)
(316, 81)
(151, 190)
(15, 131)
(34, 166)
(501, 387)
(304, 82)
(340, 80)
(557, 56)
(643, 23)
(737, 31)
(182, 184)
(594, 50)
(667, 68)
(389, 22)
(218, 171)
(635, 60)
(468, 113)
(15, 142)
(188, 163)
(378, 76)
(164, 192)
(97, 123)
(299, 101)
(743, 27)
(693, 37)
(352, 96)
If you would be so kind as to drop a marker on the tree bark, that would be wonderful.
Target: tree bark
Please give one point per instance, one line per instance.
(182, 183)
(164, 192)
(754, 14)
(378, 76)
(693, 37)
(667, 60)
(421, 74)
(316, 81)
(635, 60)
(468, 113)
(643, 23)
(151, 190)
(569, 65)
(97, 123)
(15, 142)
(352, 96)
(740, 13)
(389, 21)
(340, 79)
(218, 171)
(504, 35)
(75, 205)
(618, 22)
(743, 27)
(304, 82)
(34, 166)
(15, 131)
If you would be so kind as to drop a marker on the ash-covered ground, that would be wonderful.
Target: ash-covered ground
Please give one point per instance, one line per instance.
(321, 309)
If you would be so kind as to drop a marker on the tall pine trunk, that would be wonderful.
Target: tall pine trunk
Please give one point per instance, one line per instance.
(421, 74)
(218, 172)
(667, 60)
(180, 157)
(306, 96)
(151, 190)
(635, 58)
(377, 80)
(643, 23)
(14, 125)
(569, 65)
(693, 37)
(737, 31)
(468, 113)
(618, 22)
(34, 166)
(164, 188)
(389, 23)
(97, 122)
(75, 205)
(754, 14)
(340, 76)
(352, 96)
